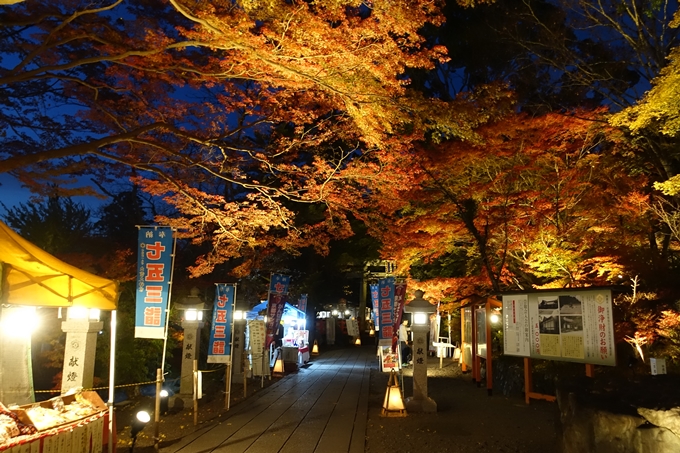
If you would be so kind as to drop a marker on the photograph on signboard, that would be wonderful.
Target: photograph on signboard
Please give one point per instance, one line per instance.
(548, 325)
(570, 305)
(548, 305)
(571, 325)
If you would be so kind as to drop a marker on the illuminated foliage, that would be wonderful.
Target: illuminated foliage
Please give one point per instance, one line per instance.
(227, 110)
(539, 202)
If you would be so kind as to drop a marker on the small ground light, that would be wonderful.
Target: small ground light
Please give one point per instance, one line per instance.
(164, 401)
(138, 424)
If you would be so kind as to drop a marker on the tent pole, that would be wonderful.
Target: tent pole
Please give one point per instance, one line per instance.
(112, 369)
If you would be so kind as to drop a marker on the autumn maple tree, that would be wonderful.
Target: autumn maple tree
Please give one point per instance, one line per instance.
(535, 202)
(228, 110)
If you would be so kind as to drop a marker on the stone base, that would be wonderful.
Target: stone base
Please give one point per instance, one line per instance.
(179, 402)
(420, 405)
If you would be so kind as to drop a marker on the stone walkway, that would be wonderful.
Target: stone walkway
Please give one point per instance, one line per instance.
(321, 408)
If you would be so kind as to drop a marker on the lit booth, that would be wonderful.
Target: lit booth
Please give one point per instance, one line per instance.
(295, 336)
(30, 280)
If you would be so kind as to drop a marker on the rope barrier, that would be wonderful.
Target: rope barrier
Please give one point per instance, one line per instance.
(125, 385)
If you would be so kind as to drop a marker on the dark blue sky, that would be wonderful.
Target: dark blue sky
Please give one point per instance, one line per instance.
(11, 194)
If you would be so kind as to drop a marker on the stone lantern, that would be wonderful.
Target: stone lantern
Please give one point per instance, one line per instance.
(82, 326)
(420, 310)
(192, 322)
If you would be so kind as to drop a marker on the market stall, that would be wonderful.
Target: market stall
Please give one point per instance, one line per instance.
(31, 277)
(294, 336)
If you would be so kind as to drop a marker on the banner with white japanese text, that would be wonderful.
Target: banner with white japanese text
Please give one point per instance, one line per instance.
(277, 302)
(302, 303)
(219, 348)
(278, 296)
(375, 299)
(386, 318)
(569, 325)
(399, 301)
(155, 257)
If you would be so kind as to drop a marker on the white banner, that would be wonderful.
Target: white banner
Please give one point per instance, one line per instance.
(352, 327)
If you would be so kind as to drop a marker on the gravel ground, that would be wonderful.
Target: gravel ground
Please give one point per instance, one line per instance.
(467, 418)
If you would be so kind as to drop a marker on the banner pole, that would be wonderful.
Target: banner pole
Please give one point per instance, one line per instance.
(231, 355)
(195, 392)
(112, 374)
(167, 308)
(157, 410)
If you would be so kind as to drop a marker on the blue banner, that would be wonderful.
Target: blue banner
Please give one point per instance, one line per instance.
(154, 270)
(279, 284)
(386, 306)
(375, 299)
(302, 303)
(219, 348)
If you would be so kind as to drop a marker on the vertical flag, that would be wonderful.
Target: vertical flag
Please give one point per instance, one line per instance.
(278, 294)
(375, 299)
(386, 294)
(154, 270)
(399, 301)
(219, 348)
(302, 303)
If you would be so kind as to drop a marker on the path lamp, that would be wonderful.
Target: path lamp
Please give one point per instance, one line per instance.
(164, 401)
(16, 325)
(138, 424)
(495, 316)
(192, 322)
(393, 405)
(421, 310)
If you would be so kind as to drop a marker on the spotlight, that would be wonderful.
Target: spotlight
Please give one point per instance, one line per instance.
(164, 401)
(138, 424)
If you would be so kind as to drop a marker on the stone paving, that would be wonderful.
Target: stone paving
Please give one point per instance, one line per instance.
(320, 408)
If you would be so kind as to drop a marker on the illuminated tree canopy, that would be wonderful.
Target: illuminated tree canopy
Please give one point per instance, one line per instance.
(229, 110)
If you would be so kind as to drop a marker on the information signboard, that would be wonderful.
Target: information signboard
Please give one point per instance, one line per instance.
(570, 325)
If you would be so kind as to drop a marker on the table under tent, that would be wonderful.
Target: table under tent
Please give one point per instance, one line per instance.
(30, 278)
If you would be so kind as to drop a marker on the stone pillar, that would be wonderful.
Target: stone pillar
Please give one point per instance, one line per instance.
(420, 402)
(190, 350)
(16, 369)
(79, 352)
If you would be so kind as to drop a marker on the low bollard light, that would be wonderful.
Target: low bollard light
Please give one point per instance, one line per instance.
(138, 424)
(164, 401)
